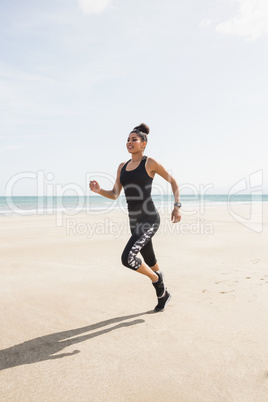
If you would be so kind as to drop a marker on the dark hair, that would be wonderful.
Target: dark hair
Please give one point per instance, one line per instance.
(142, 131)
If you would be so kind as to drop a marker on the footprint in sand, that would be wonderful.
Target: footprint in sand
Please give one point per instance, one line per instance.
(230, 291)
(255, 261)
(231, 283)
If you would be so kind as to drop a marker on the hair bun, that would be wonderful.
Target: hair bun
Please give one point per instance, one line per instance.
(143, 128)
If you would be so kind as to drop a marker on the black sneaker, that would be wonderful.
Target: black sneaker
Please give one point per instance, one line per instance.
(162, 301)
(159, 285)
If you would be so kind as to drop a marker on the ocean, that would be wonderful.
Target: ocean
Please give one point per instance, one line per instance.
(30, 205)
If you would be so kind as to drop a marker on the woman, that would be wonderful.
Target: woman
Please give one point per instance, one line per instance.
(136, 177)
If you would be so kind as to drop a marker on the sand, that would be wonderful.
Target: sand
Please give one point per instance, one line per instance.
(78, 326)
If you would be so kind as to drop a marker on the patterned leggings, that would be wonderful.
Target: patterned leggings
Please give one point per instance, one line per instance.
(142, 230)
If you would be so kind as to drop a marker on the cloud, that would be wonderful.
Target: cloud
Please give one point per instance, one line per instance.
(93, 6)
(251, 23)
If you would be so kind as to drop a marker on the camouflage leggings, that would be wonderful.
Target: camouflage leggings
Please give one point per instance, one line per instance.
(142, 230)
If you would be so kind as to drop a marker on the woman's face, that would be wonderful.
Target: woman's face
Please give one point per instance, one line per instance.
(135, 144)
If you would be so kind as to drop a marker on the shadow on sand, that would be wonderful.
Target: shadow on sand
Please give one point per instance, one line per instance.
(45, 347)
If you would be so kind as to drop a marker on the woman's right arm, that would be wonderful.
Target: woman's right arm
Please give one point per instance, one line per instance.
(112, 194)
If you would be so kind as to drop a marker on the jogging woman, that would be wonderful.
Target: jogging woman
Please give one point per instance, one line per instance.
(136, 177)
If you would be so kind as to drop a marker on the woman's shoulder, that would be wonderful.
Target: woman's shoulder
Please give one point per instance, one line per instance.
(154, 166)
(151, 161)
(121, 165)
(119, 169)
(151, 166)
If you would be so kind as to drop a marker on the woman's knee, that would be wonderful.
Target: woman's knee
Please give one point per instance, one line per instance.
(130, 260)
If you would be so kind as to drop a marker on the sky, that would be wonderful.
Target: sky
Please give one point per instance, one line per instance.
(76, 76)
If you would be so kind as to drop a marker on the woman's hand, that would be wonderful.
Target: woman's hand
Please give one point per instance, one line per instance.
(94, 186)
(176, 215)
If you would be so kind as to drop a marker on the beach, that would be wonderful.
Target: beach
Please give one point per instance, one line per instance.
(78, 326)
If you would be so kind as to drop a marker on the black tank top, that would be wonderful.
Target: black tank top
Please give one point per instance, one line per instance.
(137, 187)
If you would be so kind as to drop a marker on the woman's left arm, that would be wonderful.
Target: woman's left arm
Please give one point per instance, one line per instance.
(154, 167)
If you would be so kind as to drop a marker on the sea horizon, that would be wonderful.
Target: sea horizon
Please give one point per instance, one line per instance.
(24, 205)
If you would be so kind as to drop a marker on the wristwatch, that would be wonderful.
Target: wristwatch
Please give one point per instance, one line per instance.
(177, 204)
